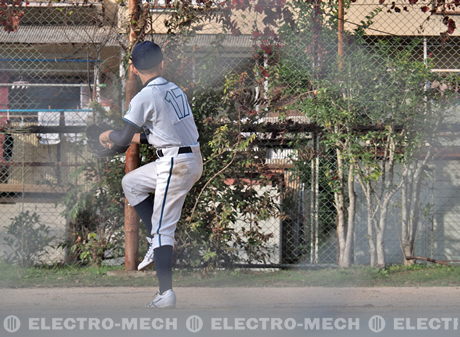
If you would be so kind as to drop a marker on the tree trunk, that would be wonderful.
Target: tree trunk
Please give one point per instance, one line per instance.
(388, 190)
(380, 235)
(339, 198)
(406, 246)
(382, 224)
(408, 249)
(367, 190)
(371, 241)
(411, 206)
(345, 222)
(370, 233)
(348, 249)
(380, 249)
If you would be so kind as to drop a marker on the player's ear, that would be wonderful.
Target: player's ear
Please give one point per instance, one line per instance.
(133, 69)
(162, 65)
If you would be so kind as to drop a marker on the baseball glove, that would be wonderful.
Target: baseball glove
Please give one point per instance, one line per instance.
(92, 134)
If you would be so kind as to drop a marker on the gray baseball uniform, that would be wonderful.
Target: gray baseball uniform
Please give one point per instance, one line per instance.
(162, 108)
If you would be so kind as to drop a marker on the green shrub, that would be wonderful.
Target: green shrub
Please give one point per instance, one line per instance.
(27, 239)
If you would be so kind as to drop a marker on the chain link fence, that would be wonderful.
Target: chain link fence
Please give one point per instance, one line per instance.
(66, 55)
(422, 29)
(50, 71)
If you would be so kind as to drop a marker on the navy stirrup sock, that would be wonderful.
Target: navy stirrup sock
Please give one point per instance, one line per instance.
(163, 265)
(145, 211)
(162, 255)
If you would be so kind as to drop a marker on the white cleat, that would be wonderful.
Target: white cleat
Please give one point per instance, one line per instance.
(167, 300)
(148, 258)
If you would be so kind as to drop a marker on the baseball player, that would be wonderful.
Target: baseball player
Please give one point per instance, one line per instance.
(161, 109)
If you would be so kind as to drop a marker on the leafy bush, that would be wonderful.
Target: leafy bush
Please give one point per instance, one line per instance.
(93, 206)
(223, 214)
(95, 212)
(27, 239)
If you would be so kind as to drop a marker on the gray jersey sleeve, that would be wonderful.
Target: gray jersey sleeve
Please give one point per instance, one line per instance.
(139, 110)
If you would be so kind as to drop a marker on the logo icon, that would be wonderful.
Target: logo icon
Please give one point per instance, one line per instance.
(376, 323)
(11, 323)
(194, 323)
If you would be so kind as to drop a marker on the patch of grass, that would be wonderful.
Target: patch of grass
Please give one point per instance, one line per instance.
(88, 276)
(52, 276)
(423, 275)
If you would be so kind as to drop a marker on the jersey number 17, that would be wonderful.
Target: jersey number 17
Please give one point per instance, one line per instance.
(176, 98)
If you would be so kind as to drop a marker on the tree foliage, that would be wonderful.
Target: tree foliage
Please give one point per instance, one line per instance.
(375, 110)
(11, 12)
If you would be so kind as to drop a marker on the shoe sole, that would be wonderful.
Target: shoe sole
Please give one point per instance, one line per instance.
(139, 268)
(161, 308)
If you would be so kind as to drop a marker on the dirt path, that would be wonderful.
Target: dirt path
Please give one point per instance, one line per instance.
(208, 298)
(264, 312)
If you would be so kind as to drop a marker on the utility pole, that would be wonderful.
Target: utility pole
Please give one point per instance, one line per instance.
(131, 226)
(340, 32)
(316, 19)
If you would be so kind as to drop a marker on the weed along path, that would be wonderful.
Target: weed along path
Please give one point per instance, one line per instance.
(227, 311)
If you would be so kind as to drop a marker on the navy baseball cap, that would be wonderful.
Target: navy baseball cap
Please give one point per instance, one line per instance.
(146, 55)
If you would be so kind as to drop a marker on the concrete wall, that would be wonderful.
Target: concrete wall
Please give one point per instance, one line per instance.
(446, 220)
(438, 233)
(50, 215)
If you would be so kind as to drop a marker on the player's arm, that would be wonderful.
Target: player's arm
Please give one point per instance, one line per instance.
(134, 119)
(123, 137)
(140, 138)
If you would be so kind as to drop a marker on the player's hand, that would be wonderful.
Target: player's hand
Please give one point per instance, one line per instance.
(105, 140)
